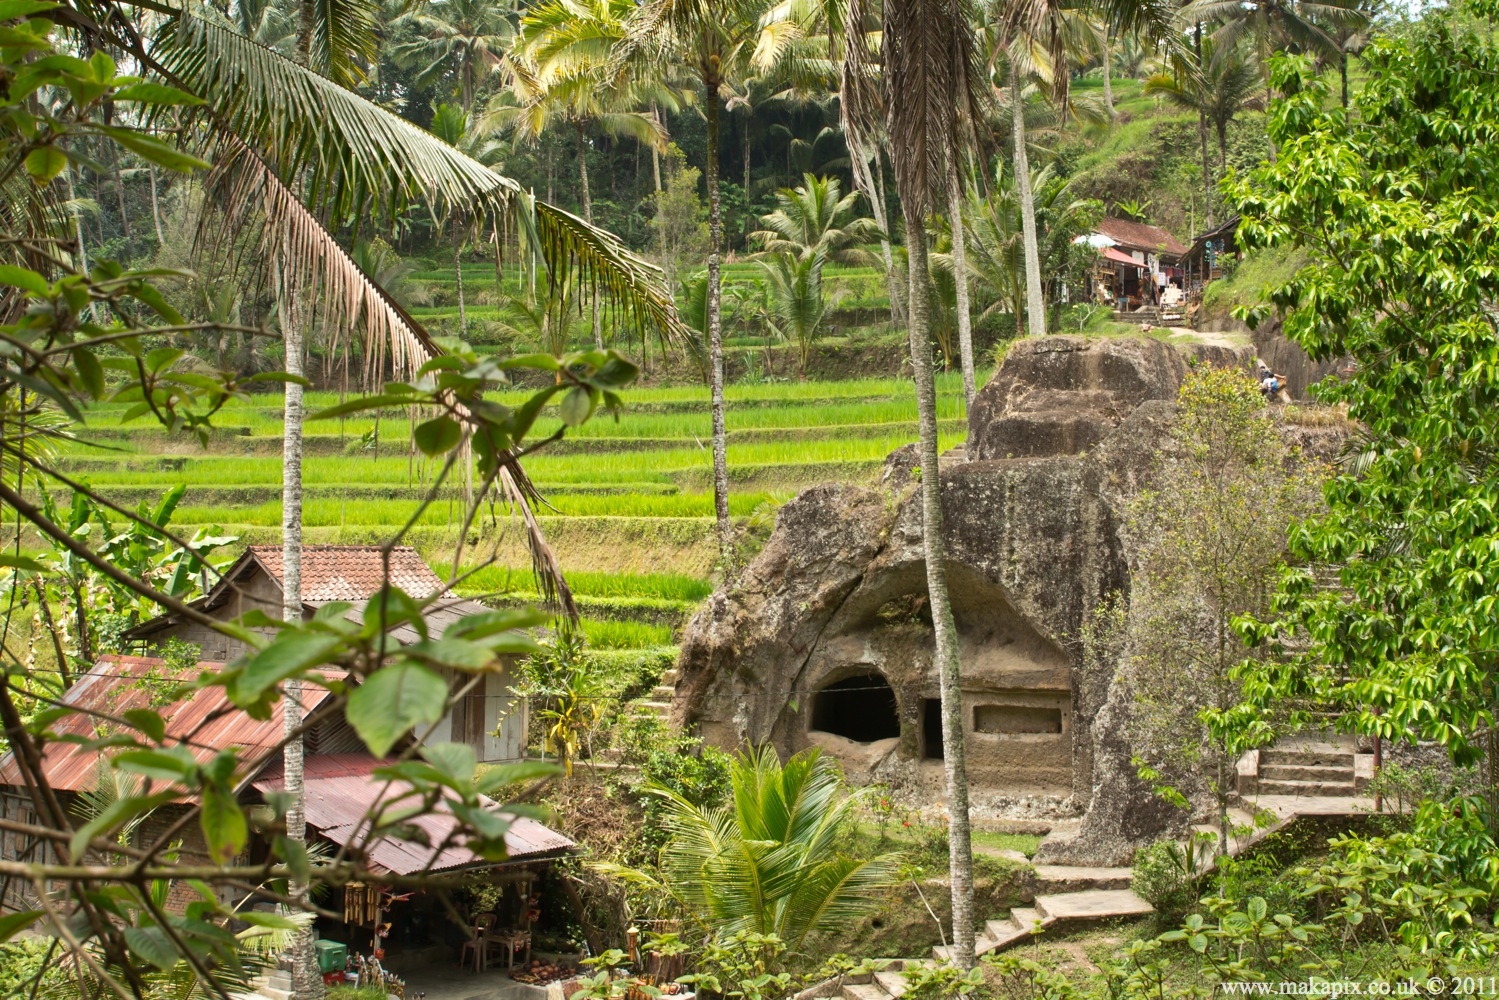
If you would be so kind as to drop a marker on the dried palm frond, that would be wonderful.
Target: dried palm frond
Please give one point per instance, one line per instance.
(310, 264)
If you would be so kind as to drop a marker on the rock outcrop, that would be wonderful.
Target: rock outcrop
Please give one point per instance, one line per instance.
(825, 639)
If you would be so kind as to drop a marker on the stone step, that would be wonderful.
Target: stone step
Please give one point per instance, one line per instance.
(1306, 788)
(670, 676)
(863, 991)
(661, 708)
(893, 983)
(1095, 904)
(1309, 756)
(1307, 772)
(662, 692)
(1069, 878)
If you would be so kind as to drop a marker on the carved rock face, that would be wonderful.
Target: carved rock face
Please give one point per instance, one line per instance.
(825, 640)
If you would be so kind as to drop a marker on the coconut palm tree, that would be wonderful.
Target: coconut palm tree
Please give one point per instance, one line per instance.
(793, 289)
(464, 39)
(1216, 81)
(717, 39)
(928, 75)
(772, 860)
(817, 216)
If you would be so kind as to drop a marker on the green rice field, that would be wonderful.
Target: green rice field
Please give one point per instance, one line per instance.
(629, 507)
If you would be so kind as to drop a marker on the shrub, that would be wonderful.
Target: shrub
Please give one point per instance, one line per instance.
(1166, 878)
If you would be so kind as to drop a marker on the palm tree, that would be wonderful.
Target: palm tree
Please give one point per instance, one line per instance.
(1217, 82)
(1301, 24)
(817, 216)
(716, 38)
(927, 52)
(771, 860)
(456, 127)
(793, 286)
(465, 39)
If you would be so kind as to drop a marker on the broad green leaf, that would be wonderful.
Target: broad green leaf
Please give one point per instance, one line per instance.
(13, 561)
(152, 945)
(288, 654)
(577, 406)
(172, 764)
(155, 150)
(454, 761)
(437, 436)
(90, 372)
(14, 923)
(393, 700)
(223, 821)
(148, 722)
(44, 163)
(147, 92)
(12, 9)
(487, 623)
(24, 279)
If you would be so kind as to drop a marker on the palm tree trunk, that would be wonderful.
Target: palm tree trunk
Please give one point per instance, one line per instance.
(155, 211)
(960, 280)
(656, 153)
(1207, 170)
(1343, 73)
(1222, 148)
(946, 633)
(307, 984)
(598, 331)
(715, 334)
(458, 272)
(1035, 303)
(1108, 83)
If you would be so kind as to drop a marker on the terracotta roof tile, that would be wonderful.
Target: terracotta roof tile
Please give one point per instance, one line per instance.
(352, 572)
(1139, 236)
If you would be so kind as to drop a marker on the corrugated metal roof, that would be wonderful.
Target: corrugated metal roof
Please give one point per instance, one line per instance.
(1140, 236)
(205, 723)
(341, 793)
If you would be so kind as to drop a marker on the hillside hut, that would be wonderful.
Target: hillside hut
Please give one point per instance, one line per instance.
(1135, 263)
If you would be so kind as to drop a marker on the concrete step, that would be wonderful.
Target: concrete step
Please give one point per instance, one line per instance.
(1306, 772)
(893, 983)
(1308, 756)
(670, 676)
(1069, 878)
(863, 991)
(1306, 788)
(661, 708)
(1096, 904)
(1025, 918)
(662, 692)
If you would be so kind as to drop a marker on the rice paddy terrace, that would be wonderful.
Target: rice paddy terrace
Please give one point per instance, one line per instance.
(630, 499)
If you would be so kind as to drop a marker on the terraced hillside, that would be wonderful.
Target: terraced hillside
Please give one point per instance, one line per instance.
(631, 506)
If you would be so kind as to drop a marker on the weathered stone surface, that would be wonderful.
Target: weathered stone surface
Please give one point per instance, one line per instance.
(1062, 395)
(797, 651)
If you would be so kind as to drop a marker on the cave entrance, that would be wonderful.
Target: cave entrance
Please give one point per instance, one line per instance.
(861, 708)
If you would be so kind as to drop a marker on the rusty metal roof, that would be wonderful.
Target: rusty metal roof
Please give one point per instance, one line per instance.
(1140, 236)
(341, 793)
(205, 723)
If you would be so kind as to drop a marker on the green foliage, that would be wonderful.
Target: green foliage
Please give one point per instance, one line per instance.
(768, 862)
(1165, 876)
(944, 982)
(566, 691)
(1394, 205)
(1212, 532)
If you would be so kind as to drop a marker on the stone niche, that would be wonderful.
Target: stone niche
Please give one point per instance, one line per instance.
(826, 640)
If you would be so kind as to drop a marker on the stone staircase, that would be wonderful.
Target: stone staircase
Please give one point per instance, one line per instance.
(887, 983)
(1307, 769)
(658, 702)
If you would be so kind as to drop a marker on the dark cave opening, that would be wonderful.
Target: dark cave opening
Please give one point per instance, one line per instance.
(861, 708)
